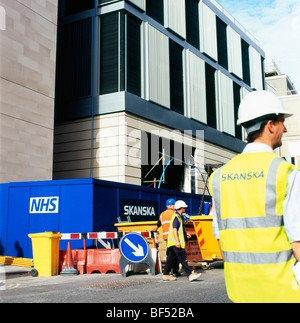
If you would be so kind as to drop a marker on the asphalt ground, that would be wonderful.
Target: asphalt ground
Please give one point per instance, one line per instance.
(18, 286)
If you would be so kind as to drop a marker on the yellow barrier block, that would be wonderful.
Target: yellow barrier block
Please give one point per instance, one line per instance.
(208, 244)
(13, 261)
(136, 226)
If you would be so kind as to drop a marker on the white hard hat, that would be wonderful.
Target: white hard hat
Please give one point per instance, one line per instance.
(258, 104)
(179, 204)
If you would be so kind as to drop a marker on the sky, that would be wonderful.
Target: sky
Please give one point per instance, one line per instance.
(276, 25)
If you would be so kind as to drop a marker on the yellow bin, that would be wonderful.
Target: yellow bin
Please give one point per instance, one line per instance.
(208, 244)
(45, 247)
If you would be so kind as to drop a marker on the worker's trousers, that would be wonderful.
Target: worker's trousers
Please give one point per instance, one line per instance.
(174, 254)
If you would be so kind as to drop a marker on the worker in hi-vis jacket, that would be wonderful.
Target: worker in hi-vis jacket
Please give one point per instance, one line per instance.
(164, 222)
(256, 209)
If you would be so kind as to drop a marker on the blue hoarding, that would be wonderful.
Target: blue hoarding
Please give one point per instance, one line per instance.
(76, 206)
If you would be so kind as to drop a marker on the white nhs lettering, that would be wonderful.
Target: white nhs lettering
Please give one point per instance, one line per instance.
(44, 204)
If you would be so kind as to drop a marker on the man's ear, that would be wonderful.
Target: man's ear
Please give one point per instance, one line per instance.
(270, 126)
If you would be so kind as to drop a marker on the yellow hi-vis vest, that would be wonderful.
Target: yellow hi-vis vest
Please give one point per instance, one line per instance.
(249, 192)
(171, 239)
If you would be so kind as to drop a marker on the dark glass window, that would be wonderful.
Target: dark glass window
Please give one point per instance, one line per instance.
(237, 101)
(176, 77)
(133, 55)
(263, 72)
(245, 62)
(120, 53)
(222, 43)
(71, 7)
(109, 53)
(210, 96)
(192, 22)
(74, 59)
(104, 1)
(155, 9)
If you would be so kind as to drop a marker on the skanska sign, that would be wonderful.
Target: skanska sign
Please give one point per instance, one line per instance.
(137, 210)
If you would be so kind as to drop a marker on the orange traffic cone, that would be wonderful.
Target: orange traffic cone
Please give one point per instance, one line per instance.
(69, 268)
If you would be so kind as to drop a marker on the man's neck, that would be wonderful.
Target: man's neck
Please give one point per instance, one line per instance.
(264, 141)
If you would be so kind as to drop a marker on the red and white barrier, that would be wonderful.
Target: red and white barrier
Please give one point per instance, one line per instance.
(101, 235)
(92, 235)
(146, 234)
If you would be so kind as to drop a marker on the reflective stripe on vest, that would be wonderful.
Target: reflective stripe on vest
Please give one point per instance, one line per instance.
(258, 258)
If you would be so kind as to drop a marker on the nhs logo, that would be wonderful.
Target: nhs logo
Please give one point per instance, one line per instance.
(44, 204)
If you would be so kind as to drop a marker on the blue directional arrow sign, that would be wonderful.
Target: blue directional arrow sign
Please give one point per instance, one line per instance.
(134, 247)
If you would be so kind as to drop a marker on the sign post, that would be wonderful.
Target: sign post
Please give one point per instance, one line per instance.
(135, 250)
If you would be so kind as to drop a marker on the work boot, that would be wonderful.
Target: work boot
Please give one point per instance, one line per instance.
(194, 276)
(169, 277)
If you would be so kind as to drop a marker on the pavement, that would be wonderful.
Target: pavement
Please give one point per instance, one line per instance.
(18, 286)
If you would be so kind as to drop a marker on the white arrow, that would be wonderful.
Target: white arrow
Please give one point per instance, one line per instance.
(105, 245)
(138, 251)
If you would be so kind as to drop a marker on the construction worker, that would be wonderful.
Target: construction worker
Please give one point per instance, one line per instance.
(176, 244)
(256, 209)
(165, 218)
(164, 222)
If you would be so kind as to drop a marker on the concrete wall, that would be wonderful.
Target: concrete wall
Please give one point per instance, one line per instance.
(27, 81)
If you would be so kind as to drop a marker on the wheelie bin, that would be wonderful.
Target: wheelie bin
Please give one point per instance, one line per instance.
(45, 247)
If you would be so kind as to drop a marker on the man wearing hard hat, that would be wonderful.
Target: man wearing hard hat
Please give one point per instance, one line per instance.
(164, 221)
(256, 201)
(176, 245)
(165, 218)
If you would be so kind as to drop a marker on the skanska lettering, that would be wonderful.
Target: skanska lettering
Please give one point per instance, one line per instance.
(139, 210)
(247, 176)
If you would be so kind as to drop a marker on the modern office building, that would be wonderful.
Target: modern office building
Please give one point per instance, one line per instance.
(140, 82)
(277, 82)
(141, 87)
(281, 85)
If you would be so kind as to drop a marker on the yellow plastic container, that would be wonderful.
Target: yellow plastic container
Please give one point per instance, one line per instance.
(45, 247)
(136, 226)
(208, 244)
(140, 227)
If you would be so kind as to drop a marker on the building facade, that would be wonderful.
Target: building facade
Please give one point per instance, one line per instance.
(147, 92)
(281, 85)
(28, 32)
(290, 149)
